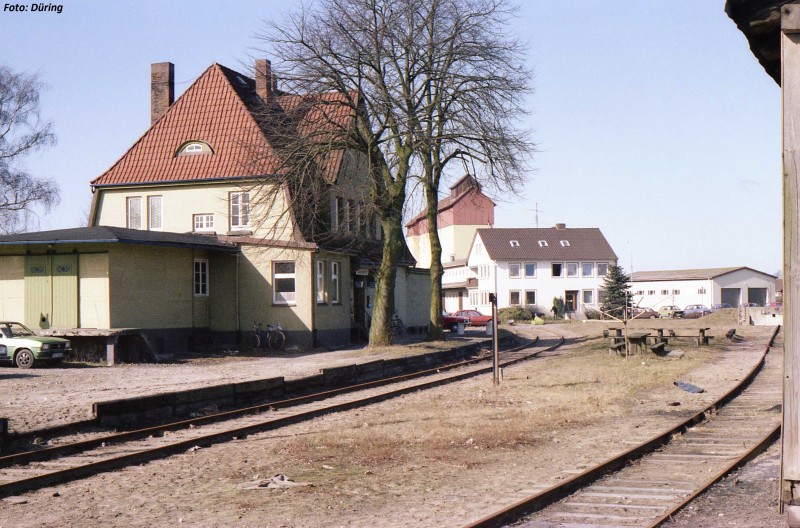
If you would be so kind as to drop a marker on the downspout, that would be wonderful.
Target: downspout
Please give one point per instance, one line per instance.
(238, 310)
(314, 299)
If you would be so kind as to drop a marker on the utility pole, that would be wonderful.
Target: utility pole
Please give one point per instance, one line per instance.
(495, 350)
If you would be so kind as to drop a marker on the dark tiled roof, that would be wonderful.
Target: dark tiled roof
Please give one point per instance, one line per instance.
(688, 274)
(584, 244)
(222, 109)
(115, 235)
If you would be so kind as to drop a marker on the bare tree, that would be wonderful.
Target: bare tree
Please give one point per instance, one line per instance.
(21, 132)
(472, 84)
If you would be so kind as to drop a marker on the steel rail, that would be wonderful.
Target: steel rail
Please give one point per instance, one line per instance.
(542, 499)
(77, 447)
(82, 471)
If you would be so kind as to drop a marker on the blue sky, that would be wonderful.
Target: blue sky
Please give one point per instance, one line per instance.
(653, 120)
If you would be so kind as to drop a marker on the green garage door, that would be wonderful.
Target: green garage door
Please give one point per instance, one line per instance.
(51, 291)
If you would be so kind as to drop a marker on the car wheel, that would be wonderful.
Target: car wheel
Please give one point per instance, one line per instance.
(653, 316)
(454, 327)
(24, 359)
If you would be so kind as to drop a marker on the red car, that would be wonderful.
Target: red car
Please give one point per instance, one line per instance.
(451, 321)
(475, 317)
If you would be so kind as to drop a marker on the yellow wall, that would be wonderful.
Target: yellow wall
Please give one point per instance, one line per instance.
(12, 288)
(153, 287)
(180, 202)
(329, 316)
(93, 290)
(455, 240)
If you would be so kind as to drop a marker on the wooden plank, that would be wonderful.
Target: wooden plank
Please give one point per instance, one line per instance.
(790, 83)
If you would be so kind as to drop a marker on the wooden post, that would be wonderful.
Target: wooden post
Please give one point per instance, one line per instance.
(790, 92)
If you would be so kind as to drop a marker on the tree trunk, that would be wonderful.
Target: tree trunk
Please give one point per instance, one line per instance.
(435, 330)
(380, 333)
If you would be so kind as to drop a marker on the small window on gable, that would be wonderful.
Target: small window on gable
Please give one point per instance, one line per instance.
(543, 243)
(514, 243)
(565, 243)
(191, 148)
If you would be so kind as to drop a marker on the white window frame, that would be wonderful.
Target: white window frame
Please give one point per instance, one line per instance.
(651, 292)
(321, 282)
(286, 298)
(664, 292)
(534, 297)
(591, 296)
(519, 297)
(583, 269)
(516, 275)
(676, 292)
(575, 274)
(155, 222)
(562, 269)
(565, 243)
(206, 222)
(533, 275)
(604, 265)
(335, 285)
(129, 202)
(543, 243)
(701, 291)
(240, 200)
(200, 277)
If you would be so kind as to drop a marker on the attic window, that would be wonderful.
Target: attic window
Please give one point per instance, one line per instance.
(193, 148)
(565, 243)
(543, 243)
(514, 243)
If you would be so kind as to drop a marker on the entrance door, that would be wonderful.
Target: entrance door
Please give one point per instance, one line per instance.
(38, 292)
(51, 291)
(570, 301)
(65, 291)
(360, 332)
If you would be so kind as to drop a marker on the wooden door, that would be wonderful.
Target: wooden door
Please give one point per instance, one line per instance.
(64, 269)
(38, 292)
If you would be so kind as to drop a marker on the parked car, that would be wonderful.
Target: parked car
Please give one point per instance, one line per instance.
(696, 310)
(671, 311)
(451, 321)
(644, 313)
(475, 317)
(751, 305)
(720, 306)
(20, 345)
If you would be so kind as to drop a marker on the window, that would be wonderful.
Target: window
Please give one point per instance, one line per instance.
(154, 213)
(557, 269)
(134, 212)
(587, 269)
(587, 296)
(513, 298)
(530, 269)
(240, 209)
(378, 228)
(484, 271)
(676, 292)
(602, 269)
(193, 148)
(601, 296)
(352, 216)
(334, 213)
(664, 292)
(530, 297)
(651, 292)
(514, 243)
(479, 298)
(701, 291)
(200, 278)
(479, 249)
(335, 285)
(203, 222)
(283, 283)
(639, 292)
(341, 213)
(543, 243)
(565, 243)
(572, 269)
(513, 270)
(321, 281)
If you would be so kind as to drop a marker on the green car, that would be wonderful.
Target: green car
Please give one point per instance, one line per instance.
(20, 345)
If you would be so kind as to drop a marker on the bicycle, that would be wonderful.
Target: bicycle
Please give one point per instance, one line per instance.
(396, 325)
(273, 337)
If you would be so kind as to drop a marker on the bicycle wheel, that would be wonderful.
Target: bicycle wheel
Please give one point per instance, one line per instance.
(276, 340)
(253, 340)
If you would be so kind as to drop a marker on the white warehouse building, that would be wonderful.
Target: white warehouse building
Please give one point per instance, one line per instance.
(734, 286)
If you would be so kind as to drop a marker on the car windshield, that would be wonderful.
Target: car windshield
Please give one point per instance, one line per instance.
(15, 330)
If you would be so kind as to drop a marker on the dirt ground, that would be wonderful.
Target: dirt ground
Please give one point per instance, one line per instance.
(442, 457)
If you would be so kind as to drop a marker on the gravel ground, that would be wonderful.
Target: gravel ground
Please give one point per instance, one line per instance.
(389, 488)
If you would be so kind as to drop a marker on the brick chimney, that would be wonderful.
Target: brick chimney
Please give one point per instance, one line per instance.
(265, 80)
(561, 227)
(162, 89)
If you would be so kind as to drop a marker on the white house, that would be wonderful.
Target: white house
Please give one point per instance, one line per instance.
(711, 286)
(532, 266)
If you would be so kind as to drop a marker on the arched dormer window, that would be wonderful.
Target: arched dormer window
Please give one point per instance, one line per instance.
(193, 148)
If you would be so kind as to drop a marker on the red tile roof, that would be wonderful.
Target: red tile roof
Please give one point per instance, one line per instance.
(222, 109)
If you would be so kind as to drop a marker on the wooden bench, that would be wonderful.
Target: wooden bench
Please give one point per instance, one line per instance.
(616, 348)
(658, 347)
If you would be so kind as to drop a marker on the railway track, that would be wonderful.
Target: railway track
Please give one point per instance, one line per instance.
(64, 462)
(649, 483)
